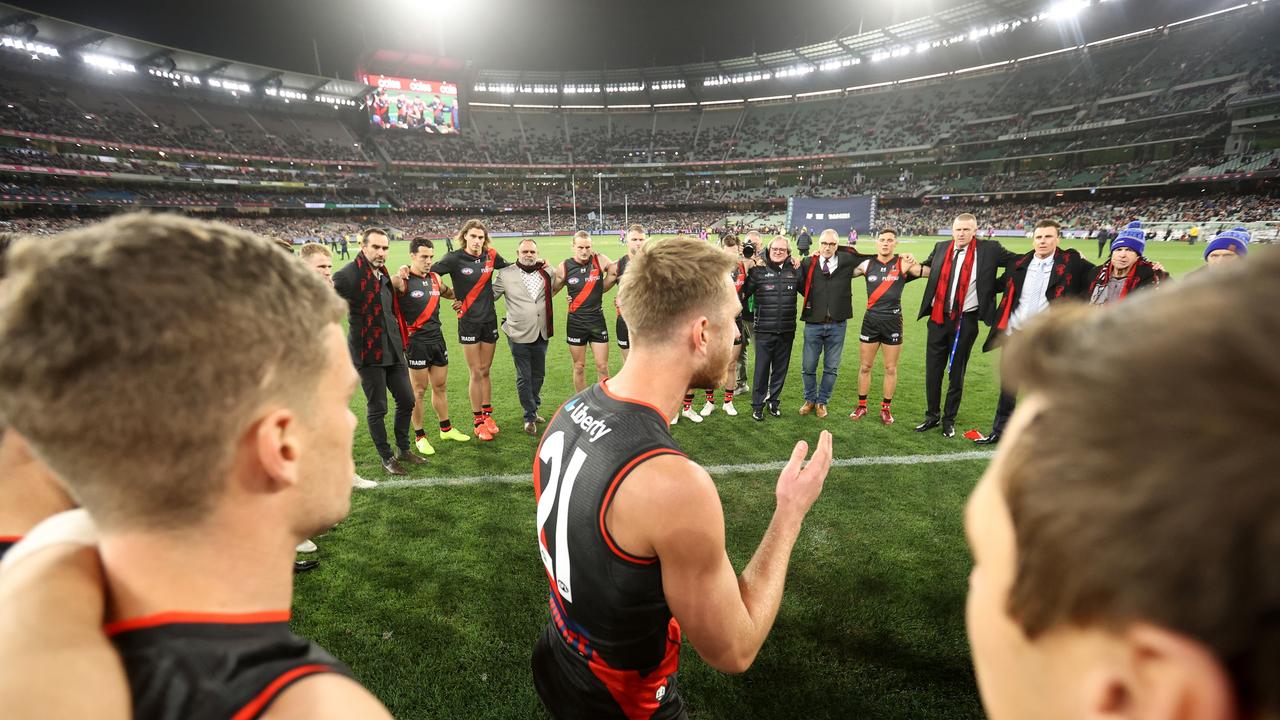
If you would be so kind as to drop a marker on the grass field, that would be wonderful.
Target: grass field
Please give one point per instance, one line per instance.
(434, 593)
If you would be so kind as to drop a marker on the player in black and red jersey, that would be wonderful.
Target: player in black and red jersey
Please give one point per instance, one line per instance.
(886, 273)
(470, 270)
(586, 277)
(631, 531)
(635, 239)
(427, 354)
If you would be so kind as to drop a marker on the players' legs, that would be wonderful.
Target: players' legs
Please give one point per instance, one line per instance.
(485, 352)
(579, 355)
(420, 378)
(601, 353)
(891, 355)
(867, 357)
(478, 374)
(439, 377)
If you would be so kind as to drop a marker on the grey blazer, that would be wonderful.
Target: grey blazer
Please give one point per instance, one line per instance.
(526, 318)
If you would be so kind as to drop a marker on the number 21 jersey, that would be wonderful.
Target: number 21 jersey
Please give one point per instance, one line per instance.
(612, 647)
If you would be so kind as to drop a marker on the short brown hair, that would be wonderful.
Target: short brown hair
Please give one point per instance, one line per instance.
(136, 388)
(315, 248)
(888, 231)
(636, 228)
(1179, 524)
(460, 240)
(669, 281)
(1049, 223)
(729, 240)
(364, 234)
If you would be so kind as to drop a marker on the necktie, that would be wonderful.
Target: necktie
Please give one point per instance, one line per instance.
(954, 280)
(826, 269)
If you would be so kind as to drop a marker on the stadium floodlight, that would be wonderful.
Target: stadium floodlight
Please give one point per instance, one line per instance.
(1065, 9)
(667, 85)
(35, 49)
(107, 63)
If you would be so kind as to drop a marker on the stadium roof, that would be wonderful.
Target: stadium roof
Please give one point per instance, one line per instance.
(70, 39)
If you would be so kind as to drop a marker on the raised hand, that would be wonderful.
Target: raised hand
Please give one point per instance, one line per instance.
(800, 483)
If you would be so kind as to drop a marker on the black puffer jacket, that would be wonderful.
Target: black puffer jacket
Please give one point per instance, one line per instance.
(776, 289)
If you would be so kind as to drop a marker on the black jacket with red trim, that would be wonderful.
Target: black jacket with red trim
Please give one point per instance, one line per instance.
(1069, 278)
(830, 298)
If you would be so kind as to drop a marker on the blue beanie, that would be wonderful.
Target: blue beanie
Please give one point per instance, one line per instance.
(1132, 237)
(1235, 240)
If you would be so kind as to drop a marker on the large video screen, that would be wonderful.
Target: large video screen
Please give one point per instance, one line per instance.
(428, 106)
(839, 214)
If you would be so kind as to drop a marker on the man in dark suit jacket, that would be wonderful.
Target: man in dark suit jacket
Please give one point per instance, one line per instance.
(376, 338)
(1030, 283)
(961, 291)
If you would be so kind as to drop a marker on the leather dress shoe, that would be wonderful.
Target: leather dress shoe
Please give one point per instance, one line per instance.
(928, 424)
(410, 457)
(991, 439)
(821, 410)
(531, 428)
(806, 408)
(301, 566)
(757, 414)
(393, 467)
(948, 430)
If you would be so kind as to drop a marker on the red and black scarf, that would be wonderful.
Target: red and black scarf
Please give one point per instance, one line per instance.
(1059, 281)
(941, 313)
(371, 311)
(1103, 276)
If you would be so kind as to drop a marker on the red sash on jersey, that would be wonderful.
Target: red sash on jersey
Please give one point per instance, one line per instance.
(939, 313)
(425, 316)
(485, 273)
(741, 280)
(884, 286)
(592, 278)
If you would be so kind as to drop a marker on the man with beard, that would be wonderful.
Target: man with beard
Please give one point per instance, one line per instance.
(427, 354)
(631, 531)
(635, 238)
(529, 324)
(470, 269)
(1127, 270)
(586, 277)
(377, 337)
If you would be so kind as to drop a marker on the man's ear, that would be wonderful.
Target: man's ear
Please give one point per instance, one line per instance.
(1169, 676)
(276, 447)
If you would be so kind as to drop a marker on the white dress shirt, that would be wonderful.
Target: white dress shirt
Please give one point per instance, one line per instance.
(1032, 301)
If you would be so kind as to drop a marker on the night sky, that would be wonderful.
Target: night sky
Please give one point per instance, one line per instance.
(506, 34)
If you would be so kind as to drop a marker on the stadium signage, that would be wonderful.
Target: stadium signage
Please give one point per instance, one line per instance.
(1062, 130)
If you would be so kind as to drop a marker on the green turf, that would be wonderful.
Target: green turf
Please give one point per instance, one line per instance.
(435, 595)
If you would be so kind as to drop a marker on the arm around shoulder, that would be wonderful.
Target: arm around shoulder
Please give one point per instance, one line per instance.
(326, 696)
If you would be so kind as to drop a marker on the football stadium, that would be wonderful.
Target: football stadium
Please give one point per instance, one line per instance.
(486, 191)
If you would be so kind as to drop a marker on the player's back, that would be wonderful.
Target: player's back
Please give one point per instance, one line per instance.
(213, 667)
(612, 647)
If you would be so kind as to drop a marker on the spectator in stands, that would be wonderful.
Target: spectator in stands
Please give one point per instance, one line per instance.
(1123, 565)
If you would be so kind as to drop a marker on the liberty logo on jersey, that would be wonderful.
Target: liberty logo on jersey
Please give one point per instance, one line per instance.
(580, 414)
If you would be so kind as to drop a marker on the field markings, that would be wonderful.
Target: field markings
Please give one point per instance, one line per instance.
(713, 469)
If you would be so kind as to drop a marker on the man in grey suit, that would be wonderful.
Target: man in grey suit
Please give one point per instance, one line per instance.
(528, 287)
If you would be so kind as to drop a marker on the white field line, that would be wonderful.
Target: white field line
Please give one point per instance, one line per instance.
(713, 469)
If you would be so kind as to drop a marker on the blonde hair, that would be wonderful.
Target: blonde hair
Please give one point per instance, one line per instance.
(136, 388)
(636, 228)
(315, 248)
(965, 217)
(671, 280)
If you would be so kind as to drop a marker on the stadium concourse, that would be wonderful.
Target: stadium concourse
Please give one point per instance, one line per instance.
(1090, 114)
